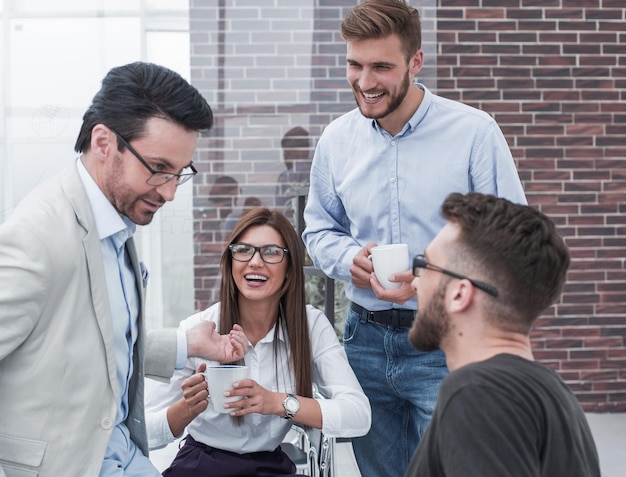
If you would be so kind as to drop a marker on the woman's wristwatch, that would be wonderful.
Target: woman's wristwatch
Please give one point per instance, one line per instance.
(291, 405)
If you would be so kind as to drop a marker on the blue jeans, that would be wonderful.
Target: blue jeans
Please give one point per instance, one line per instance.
(402, 385)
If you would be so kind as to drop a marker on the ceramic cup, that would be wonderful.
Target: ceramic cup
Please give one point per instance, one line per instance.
(388, 259)
(219, 380)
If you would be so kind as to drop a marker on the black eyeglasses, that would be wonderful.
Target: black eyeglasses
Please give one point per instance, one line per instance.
(242, 252)
(157, 178)
(419, 262)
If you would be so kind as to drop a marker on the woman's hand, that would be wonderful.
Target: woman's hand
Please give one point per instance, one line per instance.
(259, 400)
(193, 402)
(256, 399)
(195, 391)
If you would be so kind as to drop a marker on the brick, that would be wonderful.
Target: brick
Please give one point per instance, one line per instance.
(569, 13)
(485, 13)
(519, 13)
(456, 25)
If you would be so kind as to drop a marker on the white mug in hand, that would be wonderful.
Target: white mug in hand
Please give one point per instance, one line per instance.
(388, 259)
(219, 380)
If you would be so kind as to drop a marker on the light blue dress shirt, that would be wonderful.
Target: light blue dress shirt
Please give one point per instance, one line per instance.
(367, 186)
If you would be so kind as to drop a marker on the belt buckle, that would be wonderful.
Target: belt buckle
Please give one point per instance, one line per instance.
(395, 318)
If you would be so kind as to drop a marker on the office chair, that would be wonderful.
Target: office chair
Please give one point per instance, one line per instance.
(311, 450)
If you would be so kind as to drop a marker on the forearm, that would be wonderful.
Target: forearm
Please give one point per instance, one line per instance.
(309, 413)
(330, 248)
(179, 416)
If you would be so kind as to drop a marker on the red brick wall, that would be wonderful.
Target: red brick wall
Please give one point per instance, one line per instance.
(552, 73)
(554, 77)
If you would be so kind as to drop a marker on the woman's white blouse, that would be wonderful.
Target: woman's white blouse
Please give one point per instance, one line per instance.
(345, 413)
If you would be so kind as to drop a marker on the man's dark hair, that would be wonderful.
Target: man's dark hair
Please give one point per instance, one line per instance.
(132, 94)
(514, 247)
(375, 19)
(296, 137)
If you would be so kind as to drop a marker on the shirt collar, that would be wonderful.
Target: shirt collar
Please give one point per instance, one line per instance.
(108, 221)
(269, 337)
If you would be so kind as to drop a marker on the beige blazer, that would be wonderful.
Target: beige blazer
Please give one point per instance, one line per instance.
(58, 383)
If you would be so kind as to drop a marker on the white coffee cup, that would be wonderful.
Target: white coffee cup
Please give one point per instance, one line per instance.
(388, 259)
(219, 380)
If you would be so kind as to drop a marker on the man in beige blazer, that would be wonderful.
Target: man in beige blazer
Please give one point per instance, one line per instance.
(71, 365)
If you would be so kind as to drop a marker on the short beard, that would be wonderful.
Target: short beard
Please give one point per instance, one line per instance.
(393, 105)
(432, 323)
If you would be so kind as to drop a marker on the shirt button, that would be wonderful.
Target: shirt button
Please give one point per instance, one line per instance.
(394, 217)
(393, 180)
(106, 423)
(393, 143)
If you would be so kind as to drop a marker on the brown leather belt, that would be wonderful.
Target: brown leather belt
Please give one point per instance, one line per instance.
(395, 318)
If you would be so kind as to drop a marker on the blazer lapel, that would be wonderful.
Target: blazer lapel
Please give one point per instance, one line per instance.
(77, 196)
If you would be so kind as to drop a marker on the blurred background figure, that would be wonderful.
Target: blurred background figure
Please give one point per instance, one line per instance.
(296, 146)
(228, 225)
(223, 195)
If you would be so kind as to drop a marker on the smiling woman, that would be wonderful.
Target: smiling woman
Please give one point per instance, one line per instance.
(262, 289)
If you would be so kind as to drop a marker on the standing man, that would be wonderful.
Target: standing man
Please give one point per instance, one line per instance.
(72, 337)
(379, 176)
(499, 413)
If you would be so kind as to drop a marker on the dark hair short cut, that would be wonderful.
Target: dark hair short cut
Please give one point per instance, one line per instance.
(375, 19)
(515, 247)
(296, 137)
(132, 94)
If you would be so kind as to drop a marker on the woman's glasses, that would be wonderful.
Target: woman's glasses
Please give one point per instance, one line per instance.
(243, 252)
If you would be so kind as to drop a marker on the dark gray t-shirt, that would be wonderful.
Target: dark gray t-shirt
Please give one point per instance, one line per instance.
(506, 417)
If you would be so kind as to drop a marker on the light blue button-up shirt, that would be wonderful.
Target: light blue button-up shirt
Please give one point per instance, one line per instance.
(114, 230)
(367, 186)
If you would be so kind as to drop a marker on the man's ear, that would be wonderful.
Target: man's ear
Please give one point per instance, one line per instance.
(103, 141)
(416, 63)
(461, 295)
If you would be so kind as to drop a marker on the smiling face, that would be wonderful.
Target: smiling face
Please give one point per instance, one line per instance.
(381, 78)
(256, 280)
(166, 147)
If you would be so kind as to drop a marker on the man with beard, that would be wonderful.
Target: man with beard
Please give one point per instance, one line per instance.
(481, 284)
(72, 331)
(379, 176)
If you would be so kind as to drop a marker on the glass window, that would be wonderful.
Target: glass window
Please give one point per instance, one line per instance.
(53, 61)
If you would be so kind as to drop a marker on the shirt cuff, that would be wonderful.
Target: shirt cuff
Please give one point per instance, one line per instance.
(159, 432)
(181, 348)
